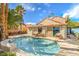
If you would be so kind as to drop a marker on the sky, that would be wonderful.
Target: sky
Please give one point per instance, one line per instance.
(36, 12)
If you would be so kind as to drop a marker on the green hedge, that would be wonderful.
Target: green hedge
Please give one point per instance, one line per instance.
(7, 54)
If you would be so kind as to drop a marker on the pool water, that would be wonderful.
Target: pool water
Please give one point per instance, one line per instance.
(36, 46)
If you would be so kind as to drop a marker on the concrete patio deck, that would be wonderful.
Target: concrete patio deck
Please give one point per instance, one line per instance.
(68, 48)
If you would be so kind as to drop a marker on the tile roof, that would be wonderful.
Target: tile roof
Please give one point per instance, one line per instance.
(53, 21)
(59, 20)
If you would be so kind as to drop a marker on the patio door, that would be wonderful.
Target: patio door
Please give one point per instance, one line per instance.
(56, 30)
(40, 30)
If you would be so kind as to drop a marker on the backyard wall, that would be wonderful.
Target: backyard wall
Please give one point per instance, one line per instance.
(44, 30)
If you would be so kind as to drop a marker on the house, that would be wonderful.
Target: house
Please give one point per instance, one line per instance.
(49, 27)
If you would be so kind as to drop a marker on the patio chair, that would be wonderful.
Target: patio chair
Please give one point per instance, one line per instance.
(59, 35)
(71, 36)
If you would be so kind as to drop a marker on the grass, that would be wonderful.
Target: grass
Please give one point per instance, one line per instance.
(7, 54)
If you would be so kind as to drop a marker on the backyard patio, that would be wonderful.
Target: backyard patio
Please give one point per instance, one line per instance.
(54, 28)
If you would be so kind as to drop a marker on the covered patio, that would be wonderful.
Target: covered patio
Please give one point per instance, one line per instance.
(48, 28)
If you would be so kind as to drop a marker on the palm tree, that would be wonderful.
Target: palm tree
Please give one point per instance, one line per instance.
(15, 17)
(3, 20)
(11, 18)
(0, 13)
(20, 10)
(6, 18)
(70, 25)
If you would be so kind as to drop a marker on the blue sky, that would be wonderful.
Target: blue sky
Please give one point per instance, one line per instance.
(36, 12)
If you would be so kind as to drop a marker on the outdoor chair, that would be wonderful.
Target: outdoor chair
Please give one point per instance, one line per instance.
(59, 35)
(71, 36)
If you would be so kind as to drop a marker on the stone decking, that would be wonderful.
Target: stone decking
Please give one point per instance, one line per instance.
(68, 48)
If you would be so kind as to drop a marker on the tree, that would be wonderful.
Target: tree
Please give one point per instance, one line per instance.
(6, 18)
(70, 25)
(20, 10)
(11, 19)
(3, 20)
(15, 17)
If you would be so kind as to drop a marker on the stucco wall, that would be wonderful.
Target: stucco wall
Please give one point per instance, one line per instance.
(29, 31)
(44, 30)
(49, 32)
(34, 31)
(63, 31)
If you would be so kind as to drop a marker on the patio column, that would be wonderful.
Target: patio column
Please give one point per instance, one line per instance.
(29, 31)
(44, 30)
(63, 31)
(49, 32)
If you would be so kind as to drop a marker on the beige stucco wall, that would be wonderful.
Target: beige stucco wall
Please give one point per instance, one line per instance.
(29, 31)
(34, 30)
(49, 32)
(63, 31)
(44, 30)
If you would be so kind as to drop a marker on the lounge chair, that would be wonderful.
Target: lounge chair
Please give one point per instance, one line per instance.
(59, 35)
(70, 36)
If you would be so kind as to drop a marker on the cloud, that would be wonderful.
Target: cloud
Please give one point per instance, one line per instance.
(31, 23)
(28, 7)
(39, 8)
(73, 12)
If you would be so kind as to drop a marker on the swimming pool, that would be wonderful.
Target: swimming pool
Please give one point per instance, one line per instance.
(36, 46)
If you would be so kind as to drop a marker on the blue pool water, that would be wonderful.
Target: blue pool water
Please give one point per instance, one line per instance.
(36, 46)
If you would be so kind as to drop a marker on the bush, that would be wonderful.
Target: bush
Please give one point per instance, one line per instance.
(7, 54)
